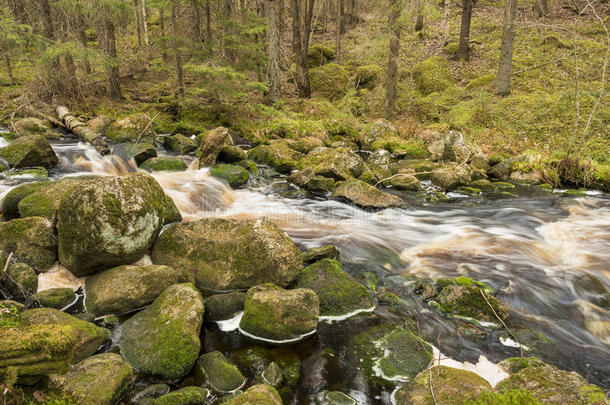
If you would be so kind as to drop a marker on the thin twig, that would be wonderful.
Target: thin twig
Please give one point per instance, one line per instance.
(501, 321)
(8, 261)
(431, 387)
(146, 128)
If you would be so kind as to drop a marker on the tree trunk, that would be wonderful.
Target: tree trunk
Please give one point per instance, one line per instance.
(501, 84)
(342, 23)
(464, 47)
(136, 16)
(228, 46)
(9, 68)
(419, 23)
(177, 53)
(162, 26)
(273, 52)
(208, 22)
(446, 18)
(392, 76)
(300, 38)
(196, 20)
(338, 31)
(106, 32)
(145, 23)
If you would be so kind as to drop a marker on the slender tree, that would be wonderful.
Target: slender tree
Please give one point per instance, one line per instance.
(176, 48)
(274, 72)
(301, 28)
(106, 32)
(392, 74)
(144, 22)
(136, 17)
(338, 31)
(463, 52)
(501, 84)
(419, 22)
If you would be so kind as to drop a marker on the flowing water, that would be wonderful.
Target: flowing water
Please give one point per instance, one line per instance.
(537, 251)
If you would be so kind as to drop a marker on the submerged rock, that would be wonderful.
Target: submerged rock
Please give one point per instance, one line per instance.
(221, 307)
(278, 155)
(212, 144)
(164, 163)
(88, 337)
(220, 375)
(99, 380)
(235, 176)
(32, 240)
(29, 151)
(549, 384)
(126, 288)
(184, 396)
(179, 144)
(366, 196)
(109, 221)
(255, 360)
(466, 300)
(451, 386)
(57, 298)
(334, 398)
(339, 293)
(273, 313)
(229, 254)
(36, 350)
(257, 395)
(163, 340)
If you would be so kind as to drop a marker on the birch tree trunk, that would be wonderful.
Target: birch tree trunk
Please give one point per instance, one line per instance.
(273, 51)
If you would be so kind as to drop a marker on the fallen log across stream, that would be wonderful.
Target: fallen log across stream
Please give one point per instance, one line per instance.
(80, 129)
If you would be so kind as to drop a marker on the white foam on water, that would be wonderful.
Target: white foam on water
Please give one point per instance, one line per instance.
(339, 318)
(72, 303)
(3, 142)
(58, 277)
(507, 341)
(232, 324)
(276, 342)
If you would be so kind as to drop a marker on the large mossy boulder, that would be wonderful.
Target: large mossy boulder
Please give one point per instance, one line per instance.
(260, 394)
(179, 144)
(126, 288)
(44, 201)
(212, 144)
(253, 361)
(29, 151)
(140, 152)
(278, 155)
(234, 175)
(36, 350)
(319, 55)
(388, 352)
(339, 293)
(366, 196)
(451, 386)
(220, 375)
(450, 176)
(432, 75)
(109, 221)
(163, 340)
(129, 128)
(88, 337)
(321, 252)
(232, 154)
(549, 384)
(329, 81)
(20, 281)
(229, 254)
(10, 203)
(451, 147)
(31, 240)
(57, 298)
(367, 77)
(164, 163)
(34, 126)
(99, 380)
(183, 396)
(336, 163)
(275, 314)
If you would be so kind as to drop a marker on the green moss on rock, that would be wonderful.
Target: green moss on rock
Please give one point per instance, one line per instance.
(319, 55)
(278, 155)
(329, 81)
(232, 154)
(220, 375)
(339, 293)
(129, 128)
(337, 163)
(220, 307)
(20, 281)
(126, 288)
(32, 240)
(29, 151)
(163, 340)
(367, 76)
(184, 396)
(319, 253)
(44, 201)
(432, 75)
(165, 163)
(57, 298)
(235, 176)
(140, 152)
(228, 254)
(366, 196)
(271, 312)
(468, 301)
(257, 395)
(10, 203)
(179, 144)
(88, 337)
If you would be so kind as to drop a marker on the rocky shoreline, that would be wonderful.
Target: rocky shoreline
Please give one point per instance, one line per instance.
(139, 337)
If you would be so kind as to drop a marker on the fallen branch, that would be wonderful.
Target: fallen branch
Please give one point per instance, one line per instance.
(501, 321)
(6, 264)
(80, 129)
(146, 128)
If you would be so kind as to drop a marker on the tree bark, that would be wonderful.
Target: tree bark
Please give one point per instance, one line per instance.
(145, 22)
(80, 129)
(338, 31)
(208, 22)
(464, 47)
(177, 53)
(501, 84)
(419, 23)
(196, 20)
(392, 75)
(228, 46)
(106, 32)
(274, 72)
(301, 27)
(136, 16)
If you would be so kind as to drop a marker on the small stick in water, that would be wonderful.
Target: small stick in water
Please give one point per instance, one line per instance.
(501, 321)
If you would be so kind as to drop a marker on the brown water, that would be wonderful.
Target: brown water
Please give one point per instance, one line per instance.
(532, 249)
